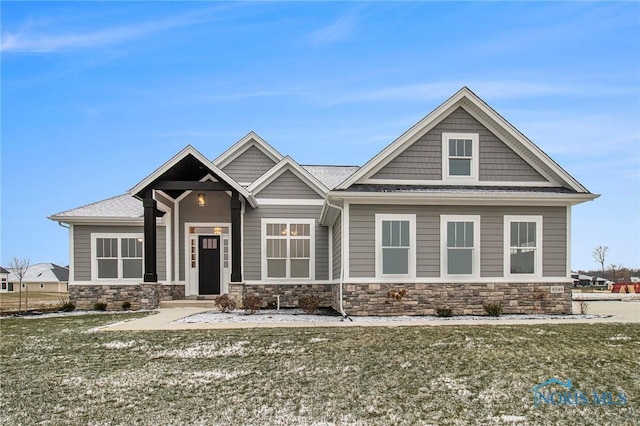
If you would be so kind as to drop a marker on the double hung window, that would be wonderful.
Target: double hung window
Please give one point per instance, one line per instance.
(288, 248)
(117, 257)
(460, 156)
(395, 245)
(461, 242)
(523, 242)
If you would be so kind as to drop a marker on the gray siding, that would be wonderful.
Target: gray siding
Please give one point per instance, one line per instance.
(337, 247)
(82, 248)
(249, 166)
(217, 209)
(362, 237)
(287, 185)
(252, 237)
(423, 159)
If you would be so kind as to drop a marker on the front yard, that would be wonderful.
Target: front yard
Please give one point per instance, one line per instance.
(61, 371)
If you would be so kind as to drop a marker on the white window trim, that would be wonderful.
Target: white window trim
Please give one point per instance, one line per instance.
(475, 158)
(444, 253)
(508, 219)
(94, 256)
(312, 249)
(411, 218)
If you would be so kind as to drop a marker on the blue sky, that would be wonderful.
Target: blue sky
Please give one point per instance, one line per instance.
(95, 96)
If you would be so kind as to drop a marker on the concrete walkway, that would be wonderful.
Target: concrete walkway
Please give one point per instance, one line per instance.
(164, 319)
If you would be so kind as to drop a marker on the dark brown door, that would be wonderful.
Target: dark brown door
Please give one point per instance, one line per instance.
(209, 265)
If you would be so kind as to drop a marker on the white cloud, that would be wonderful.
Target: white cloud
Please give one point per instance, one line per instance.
(30, 40)
(337, 30)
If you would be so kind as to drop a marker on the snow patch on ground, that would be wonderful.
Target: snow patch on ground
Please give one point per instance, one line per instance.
(298, 316)
(620, 337)
(577, 297)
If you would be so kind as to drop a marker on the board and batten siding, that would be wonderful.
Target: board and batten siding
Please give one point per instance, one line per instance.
(362, 237)
(249, 165)
(289, 186)
(253, 237)
(423, 159)
(217, 209)
(82, 248)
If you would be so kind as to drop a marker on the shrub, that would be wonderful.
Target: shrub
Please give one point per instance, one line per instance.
(126, 305)
(251, 303)
(100, 306)
(66, 305)
(493, 309)
(584, 307)
(444, 311)
(309, 304)
(225, 303)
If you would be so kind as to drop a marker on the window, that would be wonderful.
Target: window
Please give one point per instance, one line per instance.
(117, 257)
(461, 241)
(460, 156)
(395, 245)
(4, 283)
(523, 242)
(288, 248)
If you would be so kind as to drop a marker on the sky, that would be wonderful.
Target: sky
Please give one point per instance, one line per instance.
(95, 96)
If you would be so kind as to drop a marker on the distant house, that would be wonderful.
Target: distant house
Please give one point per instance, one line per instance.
(4, 278)
(45, 277)
(460, 210)
(587, 280)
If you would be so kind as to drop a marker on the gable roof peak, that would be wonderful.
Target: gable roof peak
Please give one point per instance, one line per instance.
(246, 142)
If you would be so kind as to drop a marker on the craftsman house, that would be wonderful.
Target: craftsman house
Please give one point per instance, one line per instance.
(460, 210)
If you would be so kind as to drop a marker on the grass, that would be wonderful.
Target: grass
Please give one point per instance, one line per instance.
(58, 371)
(36, 300)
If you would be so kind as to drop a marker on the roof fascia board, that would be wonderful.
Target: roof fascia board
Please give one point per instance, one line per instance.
(404, 139)
(462, 198)
(205, 161)
(237, 149)
(428, 122)
(285, 164)
(98, 220)
(526, 142)
(448, 183)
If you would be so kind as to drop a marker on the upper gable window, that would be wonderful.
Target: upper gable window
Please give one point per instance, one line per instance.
(460, 156)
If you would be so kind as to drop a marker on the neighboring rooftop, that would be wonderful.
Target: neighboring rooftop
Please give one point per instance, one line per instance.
(43, 273)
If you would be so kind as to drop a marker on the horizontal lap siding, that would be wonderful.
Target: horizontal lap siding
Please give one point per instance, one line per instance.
(337, 248)
(216, 210)
(253, 237)
(423, 159)
(249, 166)
(82, 247)
(287, 185)
(428, 247)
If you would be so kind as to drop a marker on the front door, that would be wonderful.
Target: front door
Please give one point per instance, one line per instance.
(209, 264)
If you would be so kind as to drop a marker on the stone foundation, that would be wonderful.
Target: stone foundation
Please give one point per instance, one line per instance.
(141, 296)
(289, 293)
(463, 299)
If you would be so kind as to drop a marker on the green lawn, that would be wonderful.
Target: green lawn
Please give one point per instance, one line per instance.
(58, 371)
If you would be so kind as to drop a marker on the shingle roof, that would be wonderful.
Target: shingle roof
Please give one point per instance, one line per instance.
(331, 176)
(124, 206)
(43, 273)
(456, 188)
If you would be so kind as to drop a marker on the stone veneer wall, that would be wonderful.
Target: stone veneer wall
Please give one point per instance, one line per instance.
(289, 293)
(464, 299)
(141, 296)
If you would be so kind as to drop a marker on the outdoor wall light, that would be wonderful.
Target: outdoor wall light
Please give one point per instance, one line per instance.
(217, 230)
(201, 200)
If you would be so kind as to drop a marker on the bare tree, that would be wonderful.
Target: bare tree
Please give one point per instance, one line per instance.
(600, 256)
(19, 268)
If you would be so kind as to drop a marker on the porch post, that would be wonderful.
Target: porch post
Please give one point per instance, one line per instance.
(236, 238)
(150, 206)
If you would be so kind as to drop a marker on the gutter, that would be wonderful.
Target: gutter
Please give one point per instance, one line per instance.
(341, 292)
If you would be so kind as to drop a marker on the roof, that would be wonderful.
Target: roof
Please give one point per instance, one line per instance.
(494, 122)
(450, 188)
(121, 206)
(331, 176)
(3, 271)
(43, 273)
